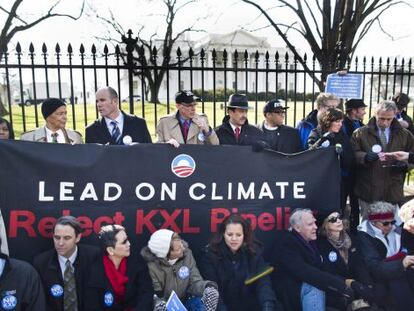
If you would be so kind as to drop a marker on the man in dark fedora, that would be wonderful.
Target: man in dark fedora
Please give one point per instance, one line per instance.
(402, 100)
(54, 131)
(355, 112)
(280, 137)
(354, 116)
(235, 129)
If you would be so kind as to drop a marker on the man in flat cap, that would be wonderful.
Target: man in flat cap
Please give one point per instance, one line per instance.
(54, 131)
(115, 127)
(280, 137)
(235, 129)
(402, 100)
(185, 126)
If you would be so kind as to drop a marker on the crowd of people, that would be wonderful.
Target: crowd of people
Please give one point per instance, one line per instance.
(323, 262)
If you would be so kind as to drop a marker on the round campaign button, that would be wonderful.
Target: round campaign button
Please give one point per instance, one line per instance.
(108, 299)
(333, 256)
(127, 140)
(376, 148)
(183, 273)
(9, 302)
(56, 290)
(325, 144)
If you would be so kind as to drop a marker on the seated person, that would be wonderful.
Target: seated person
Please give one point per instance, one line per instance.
(172, 268)
(386, 260)
(117, 282)
(232, 257)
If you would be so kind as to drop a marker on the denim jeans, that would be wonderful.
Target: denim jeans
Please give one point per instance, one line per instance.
(312, 298)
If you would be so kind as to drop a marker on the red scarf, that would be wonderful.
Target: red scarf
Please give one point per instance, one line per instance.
(117, 278)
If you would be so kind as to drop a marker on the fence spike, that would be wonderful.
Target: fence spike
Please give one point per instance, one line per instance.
(179, 52)
(31, 48)
(82, 49)
(44, 48)
(286, 57)
(57, 48)
(191, 53)
(256, 56)
(106, 50)
(93, 49)
(202, 54)
(305, 57)
(214, 55)
(70, 50)
(117, 50)
(267, 56)
(236, 55)
(246, 55)
(18, 48)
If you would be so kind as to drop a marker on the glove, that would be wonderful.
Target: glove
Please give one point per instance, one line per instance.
(268, 306)
(348, 293)
(371, 157)
(159, 304)
(363, 291)
(210, 298)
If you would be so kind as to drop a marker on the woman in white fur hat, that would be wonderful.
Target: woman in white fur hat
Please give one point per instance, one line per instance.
(172, 268)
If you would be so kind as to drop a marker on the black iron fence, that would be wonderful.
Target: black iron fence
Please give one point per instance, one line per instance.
(146, 83)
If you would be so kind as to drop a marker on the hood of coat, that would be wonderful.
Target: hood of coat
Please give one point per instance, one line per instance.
(150, 257)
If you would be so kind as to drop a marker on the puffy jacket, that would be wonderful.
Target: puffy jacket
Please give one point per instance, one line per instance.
(183, 277)
(306, 126)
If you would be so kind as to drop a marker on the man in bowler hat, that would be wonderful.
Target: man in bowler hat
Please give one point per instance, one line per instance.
(402, 100)
(235, 130)
(54, 131)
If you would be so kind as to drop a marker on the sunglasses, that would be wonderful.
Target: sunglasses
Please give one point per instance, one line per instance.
(334, 219)
(387, 223)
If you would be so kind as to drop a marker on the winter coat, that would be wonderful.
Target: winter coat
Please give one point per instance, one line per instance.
(346, 156)
(100, 296)
(230, 271)
(20, 287)
(39, 135)
(296, 263)
(169, 127)
(306, 126)
(249, 134)
(283, 139)
(182, 277)
(47, 264)
(348, 126)
(374, 182)
(333, 263)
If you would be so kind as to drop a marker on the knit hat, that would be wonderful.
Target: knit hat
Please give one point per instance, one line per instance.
(50, 105)
(159, 242)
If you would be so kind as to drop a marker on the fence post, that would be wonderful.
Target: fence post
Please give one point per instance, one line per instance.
(130, 46)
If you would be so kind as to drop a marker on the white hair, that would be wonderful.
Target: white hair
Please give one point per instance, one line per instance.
(296, 217)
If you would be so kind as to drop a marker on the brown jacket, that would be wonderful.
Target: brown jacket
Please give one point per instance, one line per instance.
(169, 127)
(375, 182)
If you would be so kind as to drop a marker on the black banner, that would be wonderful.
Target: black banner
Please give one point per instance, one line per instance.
(146, 187)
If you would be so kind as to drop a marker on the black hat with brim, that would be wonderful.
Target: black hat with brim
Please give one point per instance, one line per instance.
(238, 101)
(354, 104)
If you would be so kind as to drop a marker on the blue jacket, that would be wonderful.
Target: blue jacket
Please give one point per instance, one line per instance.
(306, 126)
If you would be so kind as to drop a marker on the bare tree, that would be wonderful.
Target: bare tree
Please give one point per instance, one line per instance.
(155, 51)
(15, 24)
(333, 29)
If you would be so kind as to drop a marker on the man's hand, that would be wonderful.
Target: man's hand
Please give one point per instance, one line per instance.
(408, 261)
(201, 123)
(398, 155)
(173, 142)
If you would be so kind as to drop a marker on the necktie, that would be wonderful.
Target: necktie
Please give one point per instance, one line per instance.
(383, 139)
(237, 133)
(69, 293)
(54, 138)
(116, 133)
(186, 127)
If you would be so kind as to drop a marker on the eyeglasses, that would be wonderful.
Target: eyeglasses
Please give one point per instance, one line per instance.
(334, 219)
(387, 223)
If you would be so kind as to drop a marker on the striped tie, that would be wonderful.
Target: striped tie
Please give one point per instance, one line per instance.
(116, 133)
(69, 295)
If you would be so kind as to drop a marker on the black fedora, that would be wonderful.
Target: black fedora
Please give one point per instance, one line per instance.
(238, 101)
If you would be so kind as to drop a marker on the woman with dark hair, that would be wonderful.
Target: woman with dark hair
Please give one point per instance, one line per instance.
(232, 259)
(6, 130)
(329, 133)
(115, 281)
(341, 255)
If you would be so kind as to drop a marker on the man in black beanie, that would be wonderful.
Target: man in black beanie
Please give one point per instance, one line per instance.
(54, 131)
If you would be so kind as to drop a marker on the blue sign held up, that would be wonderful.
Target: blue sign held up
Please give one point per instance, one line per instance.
(174, 303)
(345, 85)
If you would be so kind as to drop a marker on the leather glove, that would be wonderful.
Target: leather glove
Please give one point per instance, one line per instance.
(268, 306)
(363, 291)
(348, 293)
(371, 157)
